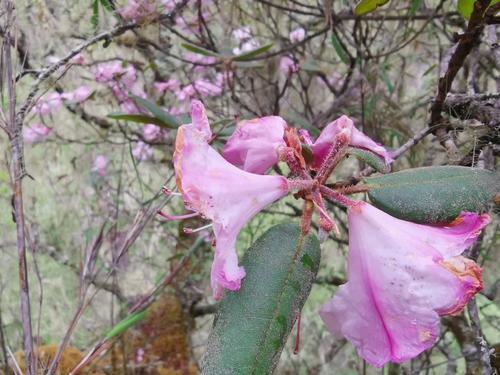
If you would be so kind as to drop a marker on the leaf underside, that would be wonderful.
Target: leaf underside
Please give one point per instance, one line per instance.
(433, 194)
(252, 325)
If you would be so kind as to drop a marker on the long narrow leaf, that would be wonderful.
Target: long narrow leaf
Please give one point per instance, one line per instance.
(254, 53)
(141, 119)
(169, 120)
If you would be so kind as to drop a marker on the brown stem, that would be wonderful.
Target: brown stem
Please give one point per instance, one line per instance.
(16, 172)
(465, 45)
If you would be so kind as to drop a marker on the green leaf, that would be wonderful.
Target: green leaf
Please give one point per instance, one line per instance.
(252, 325)
(200, 50)
(169, 120)
(415, 4)
(125, 324)
(465, 7)
(142, 119)
(250, 64)
(367, 6)
(370, 158)
(341, 52)
(108, 5)
(433, 194)
(94, 20)
(251, 54)
(387, 80)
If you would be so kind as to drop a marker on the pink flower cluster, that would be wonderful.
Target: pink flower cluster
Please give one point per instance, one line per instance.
(402, 276)
(139, 10)
(51, 102)
(35, 133)
(122, 80)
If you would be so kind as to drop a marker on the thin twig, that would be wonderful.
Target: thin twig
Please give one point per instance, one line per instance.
(16, 173)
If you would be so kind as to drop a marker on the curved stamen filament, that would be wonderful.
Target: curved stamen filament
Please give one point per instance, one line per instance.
(177, 217)
(191, 231)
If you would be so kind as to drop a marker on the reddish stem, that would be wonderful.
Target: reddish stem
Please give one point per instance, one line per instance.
(297, 338)
(336, 154)
(337, 197)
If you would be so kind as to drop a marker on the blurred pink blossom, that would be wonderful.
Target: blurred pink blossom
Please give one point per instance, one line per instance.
(139, 10)
(36, 133)
(100, 165)
(152, 133)
(247, 46)
(142, 151)
(168, 85)
(288, 65)
(48, 103)
(78, 59)
(242, 33)
(297, 35)
(128, 106)
(79, 95)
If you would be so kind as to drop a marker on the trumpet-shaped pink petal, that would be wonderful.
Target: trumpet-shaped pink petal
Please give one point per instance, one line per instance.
(325, 140)
(219, 191)
(254, 144)
(402, 277)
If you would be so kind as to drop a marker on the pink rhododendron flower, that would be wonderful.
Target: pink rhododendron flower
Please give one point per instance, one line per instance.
(322, 146)
(81, 94)
(48, 103)
(402, 277)
(288, 65)
(242, 33)
(152, 133)
(254, 144)
(142, 151)
(100, 165)
(297, 35)
(168, 85)
(36, 133)
(219, 191)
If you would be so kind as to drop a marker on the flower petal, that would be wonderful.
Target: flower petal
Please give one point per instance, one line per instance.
(227, 195)
(254, 144)
(400, 282)
(326, 139)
